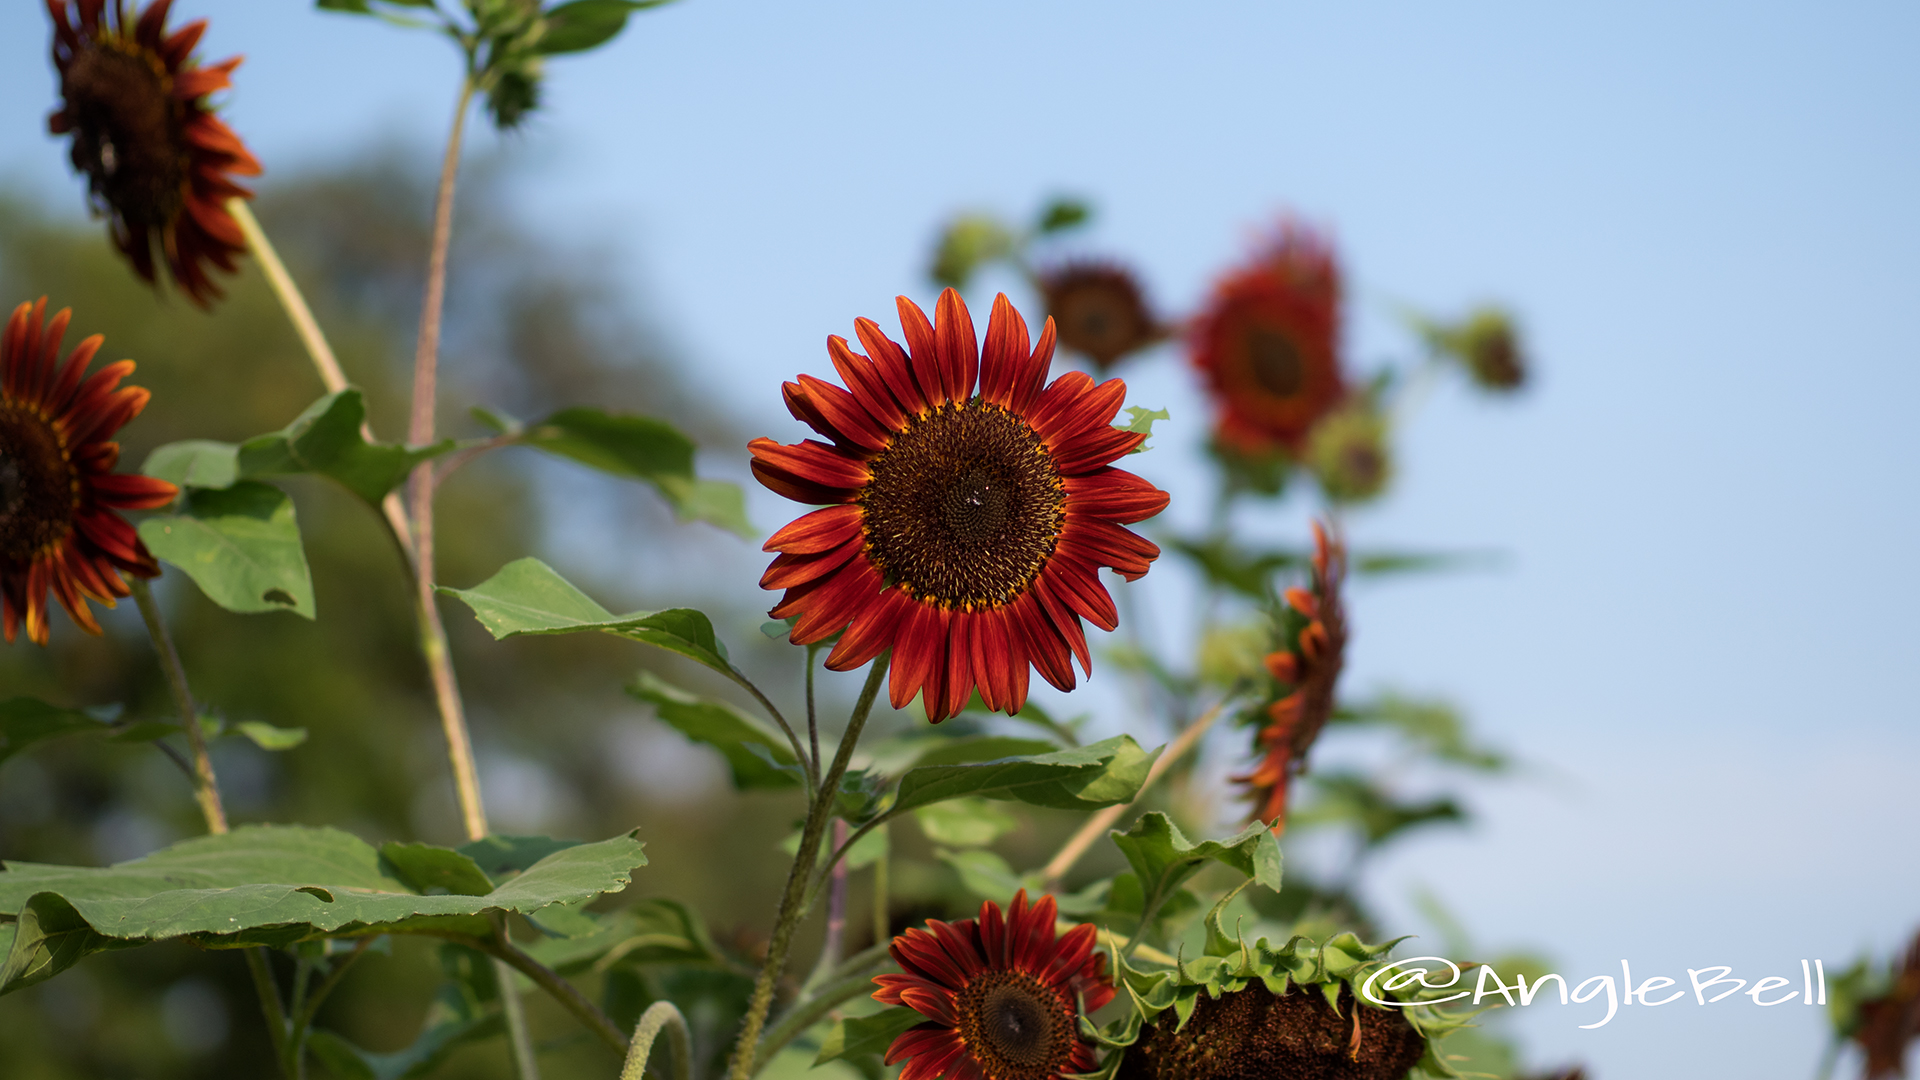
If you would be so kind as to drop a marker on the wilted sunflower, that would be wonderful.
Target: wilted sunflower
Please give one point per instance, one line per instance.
(1268, 344)
(964, 531)
(157, 160)
(58, 490)
(1002, 995)
(1306, 672)
(1099, 311)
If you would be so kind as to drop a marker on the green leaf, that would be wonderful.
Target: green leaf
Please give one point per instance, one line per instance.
(451, 1021)
(727, 730)
(1140, 422)
(326, 441)
(501, 857)
(586, 24)
(200, 463)
(1063, 213)
(1082, 778)
(429, 869)
(267, 737)
(965, 822)
(969, 241)
(25, 721)
(1163, 859)
(858, 1036)
(274, 885)
(241, 545)
(987, 875)
(641, 448)
(527, 597)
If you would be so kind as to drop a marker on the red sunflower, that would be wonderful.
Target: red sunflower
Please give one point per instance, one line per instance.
(965, 531)
(1306, 671)
(1002, 995)
(58, 490)
(1268, 344)
(157, 160)
(1099, 310)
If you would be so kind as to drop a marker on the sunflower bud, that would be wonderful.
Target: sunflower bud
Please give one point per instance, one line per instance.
(1348, 453)
(1251, 1034)
(1488, 346)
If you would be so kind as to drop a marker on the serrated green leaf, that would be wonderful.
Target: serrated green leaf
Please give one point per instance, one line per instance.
(25, 721)
(987, 875)
(641, 448)
(197, 463)
(1087, 777)
(326, 441)
(527, 597)
(861, 1035)
(726, 729)
(1163, 858)
(241, 545)
(502, 856)
(263, 884)
(965, 822)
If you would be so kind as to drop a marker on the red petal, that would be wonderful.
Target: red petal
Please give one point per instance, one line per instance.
(872, 632)
(130, 492)
(788, 571)
(895, 368)
(839, 597)
(869, 389)
(1091, 450)
(811, 461)
(959, 350)
(923, 355)
(1006, 352)
(1078, 414)
(921, 639)
(819, 531)
(1028, 385)
(1113, 494)
(1052, 596)
(844, 411)
(1041, 641)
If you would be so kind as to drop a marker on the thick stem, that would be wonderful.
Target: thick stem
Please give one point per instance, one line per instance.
(791, 908)
(836, 916)
(283, 287)
(813, 714)
(1099, 823)
(660, 1016)
(426, 355)
(206, 789)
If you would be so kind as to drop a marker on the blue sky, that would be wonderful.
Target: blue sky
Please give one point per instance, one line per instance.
(1705, 218)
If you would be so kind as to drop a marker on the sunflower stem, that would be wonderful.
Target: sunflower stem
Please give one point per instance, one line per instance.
(809, 1011)
(791, 908)
(813, 716)
(836, 916)
(1099, 823)
(809, 766)
(269, 995)
(557, 987)
(660, 1016)
(206, 788)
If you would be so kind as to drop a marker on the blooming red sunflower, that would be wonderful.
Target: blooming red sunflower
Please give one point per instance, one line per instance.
(1268, 344)
(58, 490)
(1305, 673)
(963, 530)
(1100, 311)
(157, 160)
(1002, 995)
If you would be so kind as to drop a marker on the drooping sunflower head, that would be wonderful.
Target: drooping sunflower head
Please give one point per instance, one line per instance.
(1099, 310)
(1254, 1034)
(59, 496)
(1268, 344)
(1305, 671)
(969, 507)
(1002, 995)
(157, 160)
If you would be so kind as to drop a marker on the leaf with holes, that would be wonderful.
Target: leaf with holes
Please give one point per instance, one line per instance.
(241, 545)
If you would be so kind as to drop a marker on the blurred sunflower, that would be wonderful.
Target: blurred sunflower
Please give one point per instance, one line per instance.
(1306, 672)
(58, 491)
(157, 160)
(1002, 995)
(1099, 311)
(964, 531)
(1268, 344)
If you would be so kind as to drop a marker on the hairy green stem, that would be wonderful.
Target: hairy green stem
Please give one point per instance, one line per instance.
(791, 909)
(660, 1016)
(556, 986)
(206, 789)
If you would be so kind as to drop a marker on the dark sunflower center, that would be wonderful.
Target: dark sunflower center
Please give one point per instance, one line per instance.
(1098, 318)
(1015, 1027)
(964, 507)
(1276, 361)
(36, 486)
(126, 135)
